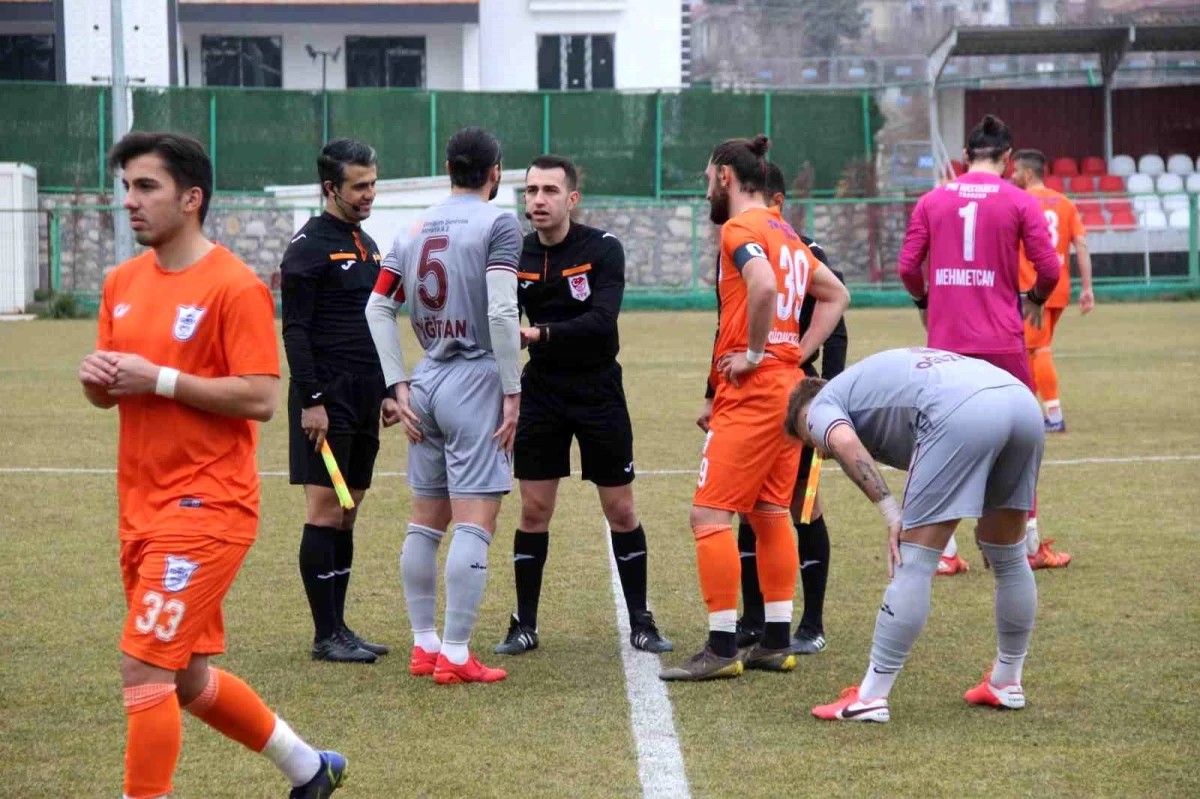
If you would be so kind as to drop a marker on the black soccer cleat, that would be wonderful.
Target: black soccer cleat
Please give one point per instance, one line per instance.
(357, 640)
(749, 632)
(337, 648)
(644, 635)
(519, 639)
(807, 642)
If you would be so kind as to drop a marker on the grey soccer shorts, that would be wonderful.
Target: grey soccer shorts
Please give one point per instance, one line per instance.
(984, 456)
(460, 405)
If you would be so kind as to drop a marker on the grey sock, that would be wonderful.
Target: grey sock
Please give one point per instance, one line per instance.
(466, 577)
(1016, 607)
(418, 573)
(905, 607)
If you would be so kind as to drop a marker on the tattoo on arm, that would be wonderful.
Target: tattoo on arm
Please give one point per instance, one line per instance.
(865, 475)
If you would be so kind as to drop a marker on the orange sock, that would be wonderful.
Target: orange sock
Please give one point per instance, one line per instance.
(1045, 377)
(232, 708)
(154, 735)
(778, 556)
(720, 566)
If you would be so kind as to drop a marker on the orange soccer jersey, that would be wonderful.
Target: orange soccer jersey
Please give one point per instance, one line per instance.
(747, 458)
(181, 470)
(1065, 227)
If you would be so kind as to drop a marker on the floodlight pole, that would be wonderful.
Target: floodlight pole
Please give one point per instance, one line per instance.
(122, 234)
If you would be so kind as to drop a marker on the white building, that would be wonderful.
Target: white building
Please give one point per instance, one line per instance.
(489, 45)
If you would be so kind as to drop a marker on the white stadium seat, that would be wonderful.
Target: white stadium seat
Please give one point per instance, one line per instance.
(1174, 202)
(1169, 182)
(1140, 184)
(1146, 202)
(1153, 220)
(1151, 165)
(1180, 164)
(1123, 166)
(1179, 219)
(1193, 183)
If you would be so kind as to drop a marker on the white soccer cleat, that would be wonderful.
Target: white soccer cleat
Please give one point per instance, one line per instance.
(1006, 696)
(849, 708)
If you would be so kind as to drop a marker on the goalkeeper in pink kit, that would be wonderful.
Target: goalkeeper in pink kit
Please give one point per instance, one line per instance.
(970, 302)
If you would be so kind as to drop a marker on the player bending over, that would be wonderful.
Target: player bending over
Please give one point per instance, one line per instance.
(970, 436)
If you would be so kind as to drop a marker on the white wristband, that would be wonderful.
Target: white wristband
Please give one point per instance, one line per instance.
(890, 509)
(754, 357)
(166, 382)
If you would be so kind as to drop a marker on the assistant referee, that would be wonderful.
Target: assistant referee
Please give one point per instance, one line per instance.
(570, 283)
(337, 385)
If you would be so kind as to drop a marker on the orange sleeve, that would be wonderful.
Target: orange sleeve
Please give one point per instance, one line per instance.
(104, 326)
(1077, 231)
(248, 332)
(736, 234)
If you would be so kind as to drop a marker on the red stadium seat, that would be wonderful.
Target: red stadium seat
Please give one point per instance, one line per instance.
(957, 166)
(1093, 219)
(1112, 184)
(1119, 206)
(1055, 183)
(1082, 184)
(1123, 219)
(1093, 165)
(1064, 167)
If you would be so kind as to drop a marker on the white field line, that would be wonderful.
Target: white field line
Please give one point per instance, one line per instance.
(659, 759)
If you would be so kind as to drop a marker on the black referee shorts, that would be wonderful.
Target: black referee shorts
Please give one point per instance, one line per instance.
(352, 403)
(589, 406)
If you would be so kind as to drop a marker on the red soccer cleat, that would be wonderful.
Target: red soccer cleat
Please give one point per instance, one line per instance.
(447, 673)
(952, 565)
(849, 708)
(1047, 558)
(422, 663)
(1004, 696)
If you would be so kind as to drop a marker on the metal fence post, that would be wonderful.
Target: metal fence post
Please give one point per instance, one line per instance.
(324, 116)
(55, 253)
(767, 114)
(658, 145)
(433, 159)
(695, 247)
(546, 123)
(1193, 238)
(212, 135)
(866, 122)
(100, 166)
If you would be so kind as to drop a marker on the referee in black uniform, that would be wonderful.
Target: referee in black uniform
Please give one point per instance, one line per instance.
(337, 386)
(812, 538)
(570, 283)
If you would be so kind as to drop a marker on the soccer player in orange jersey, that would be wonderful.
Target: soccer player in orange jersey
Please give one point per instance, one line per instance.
(1065, 229)
(765, 269)
(186, 352)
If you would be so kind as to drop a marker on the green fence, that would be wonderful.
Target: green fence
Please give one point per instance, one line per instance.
(631, 144)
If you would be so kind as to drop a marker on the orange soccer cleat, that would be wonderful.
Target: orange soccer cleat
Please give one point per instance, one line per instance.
(447, 673)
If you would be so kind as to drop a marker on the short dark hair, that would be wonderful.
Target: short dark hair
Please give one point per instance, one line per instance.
(776, 184)
(557, 162)
(471, 153)
(747, 158)
(182, 155)
(988, 140)
(803, 394)
(1034, 159)
(337, 155)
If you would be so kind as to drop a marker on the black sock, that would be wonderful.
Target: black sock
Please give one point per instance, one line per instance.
(752, 599)
(630, 551)
(813, 541)
(724, 644)
(777, 635)
(529, 558)
(343, 557)
(317, 559)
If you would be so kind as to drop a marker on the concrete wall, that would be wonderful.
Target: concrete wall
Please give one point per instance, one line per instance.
(647, 44)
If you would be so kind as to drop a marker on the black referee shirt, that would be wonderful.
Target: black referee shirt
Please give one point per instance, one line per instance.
(573, 292)
(328, 271)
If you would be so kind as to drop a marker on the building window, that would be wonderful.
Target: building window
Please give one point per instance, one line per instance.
(576, 62)
(242, 60)
(27, 57)
(385, 61)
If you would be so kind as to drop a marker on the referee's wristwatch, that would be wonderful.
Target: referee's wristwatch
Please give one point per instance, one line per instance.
(543, 333)
(1032, 296)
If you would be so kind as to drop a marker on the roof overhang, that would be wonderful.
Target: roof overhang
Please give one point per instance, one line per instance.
(351, 12)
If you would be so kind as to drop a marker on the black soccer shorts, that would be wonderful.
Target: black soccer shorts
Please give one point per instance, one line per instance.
(352, 403)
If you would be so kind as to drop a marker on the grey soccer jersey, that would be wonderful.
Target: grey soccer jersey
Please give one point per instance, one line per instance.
(891, 398)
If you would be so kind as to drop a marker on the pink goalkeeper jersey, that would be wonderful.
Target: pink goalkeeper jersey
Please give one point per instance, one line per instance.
(971, 229)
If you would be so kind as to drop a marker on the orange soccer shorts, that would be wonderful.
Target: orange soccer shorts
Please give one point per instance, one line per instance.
(747, 457)
(1037, 339)
(174, 585)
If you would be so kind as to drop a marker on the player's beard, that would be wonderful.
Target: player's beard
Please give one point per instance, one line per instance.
(495, 190)
(719, 206)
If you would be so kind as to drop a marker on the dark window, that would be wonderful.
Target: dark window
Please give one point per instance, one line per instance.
(576, 62)
(242, 60)
(27, 57)
(1023, 12)
(385, 61)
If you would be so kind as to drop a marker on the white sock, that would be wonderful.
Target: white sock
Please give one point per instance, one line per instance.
(1006, 670)
(1032, 540)
(456, 653)
(1054, 411)
(724, 621)
(951, 548)
(427, 640)
(298, 761)
(776, 612)
(876, 685)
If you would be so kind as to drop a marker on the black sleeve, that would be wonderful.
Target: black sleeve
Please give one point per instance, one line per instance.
(833, 356)
(301, 274)
(608, 289)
